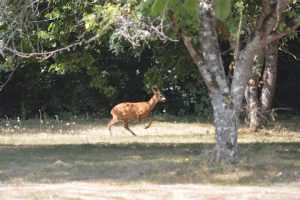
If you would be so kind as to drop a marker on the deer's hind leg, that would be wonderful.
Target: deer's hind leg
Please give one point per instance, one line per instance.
(112, 122)
(127, 127)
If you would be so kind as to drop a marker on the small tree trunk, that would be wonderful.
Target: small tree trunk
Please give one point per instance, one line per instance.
(254, 109)
(258, 105)
(269, 76)
(252, 93)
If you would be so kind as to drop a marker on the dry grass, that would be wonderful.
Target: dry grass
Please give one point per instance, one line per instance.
(166, 153)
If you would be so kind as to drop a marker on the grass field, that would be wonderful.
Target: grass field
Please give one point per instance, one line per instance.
(168, 153)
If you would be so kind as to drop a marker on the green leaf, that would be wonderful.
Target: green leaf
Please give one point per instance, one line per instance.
(292, 14)
(223, 8)
(158, 7)
(43, 35)
(90, 21)
(58, 68)
(282, 26)
(191, 6)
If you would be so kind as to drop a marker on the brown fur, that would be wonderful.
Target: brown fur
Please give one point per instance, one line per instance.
(138, 110)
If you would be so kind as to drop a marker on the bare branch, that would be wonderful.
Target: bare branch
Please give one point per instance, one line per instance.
(2, 85)
(275, 109)
(139, 31)
(289, 53)
(47, 54)
(277, 35)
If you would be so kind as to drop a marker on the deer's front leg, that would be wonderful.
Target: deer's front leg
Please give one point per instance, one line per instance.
(151, 119)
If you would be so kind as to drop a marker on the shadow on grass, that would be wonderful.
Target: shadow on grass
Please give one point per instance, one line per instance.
(266, 163)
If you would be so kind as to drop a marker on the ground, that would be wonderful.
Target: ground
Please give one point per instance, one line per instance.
(98, 191)
(170, 160)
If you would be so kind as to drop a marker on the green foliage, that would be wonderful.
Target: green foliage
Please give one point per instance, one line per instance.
(238, 15)
(176, 12)
(109, 14)
(158, 7)
(7, 63)
(99, 81)
(192, 7)
(222, 8)
(3, 27)
(154, 76)
(182, 84)
(71, 62)
(191, 15)
(90, 21)
(288, 18)
(282, 26)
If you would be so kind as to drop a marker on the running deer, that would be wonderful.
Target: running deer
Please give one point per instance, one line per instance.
(138, 110)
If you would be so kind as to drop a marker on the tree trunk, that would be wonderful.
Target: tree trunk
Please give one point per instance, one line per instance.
(224, 115)
(210, 65)
(257, 106)
(225, 129)
(253, 107)
(254, 114)
(269, 76)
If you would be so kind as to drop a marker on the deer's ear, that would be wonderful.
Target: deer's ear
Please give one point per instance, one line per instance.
(154, 88)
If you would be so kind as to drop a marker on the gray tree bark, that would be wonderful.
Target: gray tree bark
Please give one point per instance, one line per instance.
(269, 76)
(210, 65)
(259, 102)
(254, 114)
(253, 107)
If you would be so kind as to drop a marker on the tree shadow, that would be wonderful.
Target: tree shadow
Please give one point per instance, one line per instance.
(260, 163)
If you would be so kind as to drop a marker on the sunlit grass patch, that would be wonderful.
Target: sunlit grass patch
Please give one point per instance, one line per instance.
(166, 153)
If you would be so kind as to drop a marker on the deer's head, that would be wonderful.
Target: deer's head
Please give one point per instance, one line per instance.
(157, 95)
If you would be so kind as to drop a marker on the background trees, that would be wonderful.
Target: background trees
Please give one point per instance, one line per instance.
(103, 71)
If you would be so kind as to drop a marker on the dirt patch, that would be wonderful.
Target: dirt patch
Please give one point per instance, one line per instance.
(90, 191)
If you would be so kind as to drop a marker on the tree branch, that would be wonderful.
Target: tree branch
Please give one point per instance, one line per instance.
(135, 31)
(210, 47)
(266, 9)
(197, 58)
(2, 85)
(47, 54)
(271, 23)
(277, 35)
